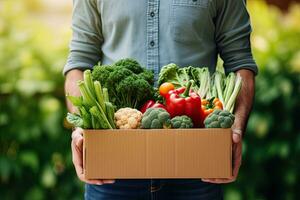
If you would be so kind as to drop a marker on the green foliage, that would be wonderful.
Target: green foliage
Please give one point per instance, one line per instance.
(270, 168)
(35, 159)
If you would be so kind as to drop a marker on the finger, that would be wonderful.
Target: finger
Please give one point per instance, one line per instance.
(236, 135)
(236, 138)
(219, 180)
(108, 181)
(77, 161)
(77, 136)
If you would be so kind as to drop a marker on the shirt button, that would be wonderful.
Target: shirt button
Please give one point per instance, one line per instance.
(152, 43)
(152, 14)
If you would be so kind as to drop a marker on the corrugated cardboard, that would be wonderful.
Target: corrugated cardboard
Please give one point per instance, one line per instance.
(165, 153)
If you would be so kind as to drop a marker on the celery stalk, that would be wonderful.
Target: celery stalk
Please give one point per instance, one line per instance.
(99, 94)
(88, 82)
(219, 85)
(231, 102)
(105, 95)
(229, 87)
(110, 114)
(87, 97)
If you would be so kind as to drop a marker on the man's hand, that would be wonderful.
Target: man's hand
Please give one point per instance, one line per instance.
(236, 156)
(242, 110)
(77, 157)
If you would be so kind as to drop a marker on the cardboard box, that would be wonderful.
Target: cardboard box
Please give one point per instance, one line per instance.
(165, 153)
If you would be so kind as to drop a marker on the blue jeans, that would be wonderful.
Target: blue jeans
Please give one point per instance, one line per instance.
(156, 189)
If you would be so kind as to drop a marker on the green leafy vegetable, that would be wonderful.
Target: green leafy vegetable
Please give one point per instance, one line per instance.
(173, 74)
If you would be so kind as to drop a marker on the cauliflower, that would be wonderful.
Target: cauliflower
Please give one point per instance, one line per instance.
(128, 118)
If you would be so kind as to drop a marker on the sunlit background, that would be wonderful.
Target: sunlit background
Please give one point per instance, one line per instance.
(35, 159)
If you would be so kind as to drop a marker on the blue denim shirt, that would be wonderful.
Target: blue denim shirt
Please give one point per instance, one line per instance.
(185, 32)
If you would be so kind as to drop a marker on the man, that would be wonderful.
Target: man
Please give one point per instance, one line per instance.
(185, 32)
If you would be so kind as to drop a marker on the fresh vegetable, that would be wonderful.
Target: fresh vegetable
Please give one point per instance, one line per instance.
(206, 86)
(151, 104)
(171, 73)
(156, 118)
(183, 101)
(208, 106)
(231, 96)
(128, 84)
(95, 110)
(202, 78)
(182, 122)
(219, 119)
(75, 120)
(165, 88)
(128, 118)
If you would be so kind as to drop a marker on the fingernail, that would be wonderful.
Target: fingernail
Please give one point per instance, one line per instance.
(99, 183)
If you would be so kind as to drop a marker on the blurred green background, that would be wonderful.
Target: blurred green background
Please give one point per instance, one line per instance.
(35, 159)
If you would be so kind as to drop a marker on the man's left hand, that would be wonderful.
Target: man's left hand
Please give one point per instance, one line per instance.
(237, 159)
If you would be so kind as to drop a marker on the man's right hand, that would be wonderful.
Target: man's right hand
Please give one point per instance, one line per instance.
(77, 157)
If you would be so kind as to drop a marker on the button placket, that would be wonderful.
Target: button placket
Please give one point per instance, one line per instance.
(152, 36)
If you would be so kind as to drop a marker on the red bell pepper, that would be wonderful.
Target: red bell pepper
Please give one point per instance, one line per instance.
(151, 104)
(184, 101)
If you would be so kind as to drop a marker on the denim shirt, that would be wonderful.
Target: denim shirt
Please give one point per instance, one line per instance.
(158, 32)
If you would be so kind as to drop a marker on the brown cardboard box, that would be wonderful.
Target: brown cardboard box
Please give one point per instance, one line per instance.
(165, 153)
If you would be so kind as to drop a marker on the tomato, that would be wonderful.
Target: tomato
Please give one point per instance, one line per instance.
(165, 88)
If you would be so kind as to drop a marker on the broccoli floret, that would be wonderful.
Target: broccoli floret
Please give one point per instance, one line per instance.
(182, 122)
(133, 90)
(101, 73)
(156, 118)
(148, 76)
(130, 64)
(219, 119)
(128, 84)
(173, 74)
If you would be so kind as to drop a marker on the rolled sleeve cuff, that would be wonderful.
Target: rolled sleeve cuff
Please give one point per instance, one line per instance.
(247, 65)
(76, 65)
(242, 59)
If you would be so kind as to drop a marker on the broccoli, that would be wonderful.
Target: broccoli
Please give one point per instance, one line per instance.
(130, 64)
(128, 84)
(156, 118)
(219, 119)
(148, 76)
(182, 122)
(173, 74)
(101, 73)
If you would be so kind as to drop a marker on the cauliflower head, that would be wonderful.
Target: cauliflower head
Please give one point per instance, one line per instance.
(128, 118)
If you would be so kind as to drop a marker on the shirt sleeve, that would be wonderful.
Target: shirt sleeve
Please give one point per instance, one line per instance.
(233, 31)
(85, 46)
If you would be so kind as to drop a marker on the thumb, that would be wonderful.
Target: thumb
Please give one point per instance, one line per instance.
(236, 135)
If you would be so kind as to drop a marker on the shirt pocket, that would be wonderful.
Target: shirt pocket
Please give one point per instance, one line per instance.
(188, 20)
